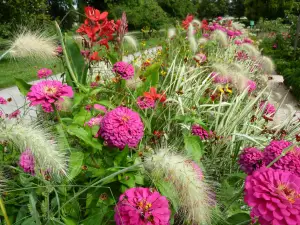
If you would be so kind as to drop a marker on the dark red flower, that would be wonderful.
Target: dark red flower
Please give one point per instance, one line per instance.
(95, 57)
(94, 14)
(187, 21)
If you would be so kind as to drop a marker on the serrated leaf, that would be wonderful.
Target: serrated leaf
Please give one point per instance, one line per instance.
(76, 161)
(22, 86)
(194, 147)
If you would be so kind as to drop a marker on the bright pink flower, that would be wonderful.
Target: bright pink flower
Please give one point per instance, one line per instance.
(187, 21)
(275, 46)
(230, 33)
(124, 69)
(120, 127)
(248, 40)
(85, 53)
(145, 103)
(274, 196)
(26, 162)
(238, 42)
(241, 55)
(3, 101)
(142, 206)
(251, 85)
(268, 108)
(237, 33)
(289, 162)
(200, 58)
(220, 79)
(251, 159)
(94, 84)
(219, 18)
(206, 35)
(100, 107)
(47, 92)
(14, 114)
(200, 131)
(59, 50)
(95, 121)
(44, 72)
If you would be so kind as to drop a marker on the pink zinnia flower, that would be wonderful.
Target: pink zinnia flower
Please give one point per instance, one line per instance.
(145, 103)
(121, 127)
(3, 101)
(200, 58)
(26, 162)
(238, 42)
(47, 92)
(237, 33)
(200, 131)
(274, 196)
(251, 85)
(95, 121)
(247, 40)
(230, 33)
(59, 50)
(142, 206)
(124, 69)
(14, 114)
(44, 72)
(220, 79)
(289, 162)
(219, 18)
(206, 35)
(100, 107)
(268, 108)
(241, 55)
(251, 159)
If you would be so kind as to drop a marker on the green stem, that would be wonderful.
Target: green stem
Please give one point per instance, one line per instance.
(283, 153)
(3, 210)
(233, 199)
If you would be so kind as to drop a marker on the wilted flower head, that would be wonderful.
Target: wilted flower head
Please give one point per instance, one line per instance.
(27, 162)
(200, 131)
(3, 101)
(124, 69)
(251, 159)
(274, 196)
(142, 206)
(269, 109)
(121, 127)
(44, 72)
(289, 161)
(200, 57)
(47, 92)
(14, 114)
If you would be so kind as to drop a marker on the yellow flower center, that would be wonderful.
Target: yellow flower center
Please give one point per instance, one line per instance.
(144, 205)
(50, 90)
(125, 118)
(290, 194)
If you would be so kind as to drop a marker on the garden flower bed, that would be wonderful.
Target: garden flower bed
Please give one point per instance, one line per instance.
(181, 136)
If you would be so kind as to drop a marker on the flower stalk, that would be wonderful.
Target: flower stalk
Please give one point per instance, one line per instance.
(3, 210)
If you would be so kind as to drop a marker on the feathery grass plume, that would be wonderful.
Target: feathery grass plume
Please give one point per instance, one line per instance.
(34, 44)
(171, 33)
(192, 39)
(2, 182)
(40, 141)
(196, 23)
(221, 68)
(131, 41)
(268, 65)
(238, 67)
(237, 26)
(195, 200)
(250, 49)
(220, 37)
(202, 41)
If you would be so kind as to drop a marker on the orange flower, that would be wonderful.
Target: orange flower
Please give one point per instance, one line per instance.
(154, 95)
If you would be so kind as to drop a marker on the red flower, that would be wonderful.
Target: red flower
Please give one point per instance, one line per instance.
(104, 42)
(90, 29)
(95, 57)
(154, 95)
(187, 21)
(94, 14)
(157, 133)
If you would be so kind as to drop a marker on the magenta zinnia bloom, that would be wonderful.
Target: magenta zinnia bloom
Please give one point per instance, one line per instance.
(121, 127)
(3, 101)
(290, 161)
(47, 92)
(145, 103)
(251, 159)
(268, 108)
(238, 42)
(142, 206)
(274, 196)
(124, 69)
(14, 114)
(44, 72)
(27, 162)
(251, 85)
(248, 40)
(95, 121)
(200, 131)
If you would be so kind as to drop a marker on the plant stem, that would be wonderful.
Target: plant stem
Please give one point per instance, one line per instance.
(283, 153)
(3, 210)
(235, 197)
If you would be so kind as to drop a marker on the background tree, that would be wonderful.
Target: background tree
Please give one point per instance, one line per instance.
(213, 8)
(178, 8)
(237, 8)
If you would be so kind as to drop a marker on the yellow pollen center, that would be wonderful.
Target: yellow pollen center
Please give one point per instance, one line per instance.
(50, 90)
(290, 194)
(143, 205)
(125, 118)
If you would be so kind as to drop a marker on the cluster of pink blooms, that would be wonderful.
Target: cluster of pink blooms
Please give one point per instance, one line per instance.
(268, 108)
(238, 42)
(248, 41)
(26, 162)
(59, 50)
(241, 56)
(149, 99)
(3, 101)
(201, 132)
(220, 79)
(124, 69)
(48, 92)
(121, 127)
(200, 58)
(273, 193)
(44, 73)
(251, 85)
(142, 206)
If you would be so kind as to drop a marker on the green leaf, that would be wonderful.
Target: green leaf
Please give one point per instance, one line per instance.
(239, 219)
(76, 59)
(29, 221)
(23, 86)
(128, 179)
(76, 161)
(34, 212)
(81, 117)
(83, 135)
(194, 147)
(112, 58)
(21, 214)
(69, 221)
(106, 103)
(152, 70)
(121, 158)
(152, 78)
(77, 100)
(95, 218)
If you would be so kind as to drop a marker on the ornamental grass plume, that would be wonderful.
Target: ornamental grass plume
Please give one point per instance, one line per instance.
(41, 143)
(131, 41)
(2, 182)
(142, 206)
(268, 65)
(171, 33)
(274, 197)
(195, 199)
(192, 39)
(220, 37)
(34, 44)
(202, 41)
(250, 50)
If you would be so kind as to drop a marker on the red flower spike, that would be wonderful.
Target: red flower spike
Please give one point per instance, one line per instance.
(187, 21)
(94, 14)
